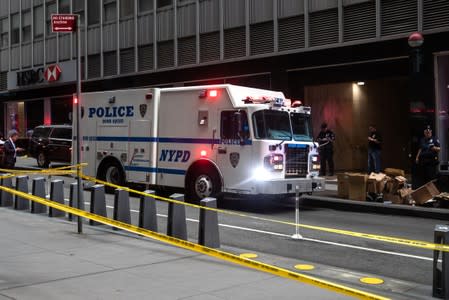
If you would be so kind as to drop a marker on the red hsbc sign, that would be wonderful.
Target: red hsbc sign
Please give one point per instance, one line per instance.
(63, 22)
(52, 73)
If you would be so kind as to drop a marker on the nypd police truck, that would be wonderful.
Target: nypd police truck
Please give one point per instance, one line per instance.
(208, 140)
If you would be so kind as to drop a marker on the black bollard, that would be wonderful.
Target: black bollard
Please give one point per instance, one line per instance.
(209, 234)
(39, 191)
(97, 202)
(440, 287)
(21, 185)
(122, 212)
(176, 223)
(5, 197)
(147, 212)
(56, 195)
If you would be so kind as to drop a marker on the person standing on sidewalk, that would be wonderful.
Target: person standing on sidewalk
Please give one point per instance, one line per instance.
(374, 148)
(11, 150)
(325, 141)
(427, 156)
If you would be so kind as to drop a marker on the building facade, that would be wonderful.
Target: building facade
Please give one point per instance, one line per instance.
(314, 50)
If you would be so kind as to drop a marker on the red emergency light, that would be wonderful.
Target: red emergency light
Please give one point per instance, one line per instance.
(75, 100)
(203, 153)
(208, 94)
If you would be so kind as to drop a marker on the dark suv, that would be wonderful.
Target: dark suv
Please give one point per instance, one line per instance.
(51, 143)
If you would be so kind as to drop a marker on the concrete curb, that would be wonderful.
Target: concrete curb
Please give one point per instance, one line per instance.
(375, 207)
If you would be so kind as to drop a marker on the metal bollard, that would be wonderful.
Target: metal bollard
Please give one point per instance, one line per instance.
(38, 190)
(72, 198)
(176, 222)
(5, 197)
(97, 202)
(21, 203)
(56, 195)
(209, 234)
(440, 287)
(147, 212)
(122, 212)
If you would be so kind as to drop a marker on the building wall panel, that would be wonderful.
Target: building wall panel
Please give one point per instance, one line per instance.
(261, 11)
(323, 27)
(93, 40)
(436, 14)
(165, 54)
(165, 25)
(50, 50)
(26, 4)
(4, 64)
(187, 51)
(38, 53)
(291, 33)
(399, 16)
(127, 33)
(186, 20)
(359, 21)
(317, 5)
(234, 13)
(209, 16)
(64, 46)
(145, 30)
(26, 55)
(3, 8)
(234, 42)
(15, 59)
(261, 38)
(290, 8)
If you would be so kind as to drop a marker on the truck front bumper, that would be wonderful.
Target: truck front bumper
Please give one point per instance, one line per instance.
(288, 186)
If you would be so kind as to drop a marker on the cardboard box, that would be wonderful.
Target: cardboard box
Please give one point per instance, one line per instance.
(392, 185)
(357, 186)
(393, 198)
(425, 193)
(376, 183)
(394, 172)
(342, 185)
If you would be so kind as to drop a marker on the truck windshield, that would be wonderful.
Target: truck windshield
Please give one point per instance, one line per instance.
(275, 125)
(272, 124)
(302, 127)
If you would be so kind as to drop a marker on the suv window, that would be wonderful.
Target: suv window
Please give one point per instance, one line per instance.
(62, 133)
(40, 132)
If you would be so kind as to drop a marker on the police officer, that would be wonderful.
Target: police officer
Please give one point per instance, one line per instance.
(427, 156)
(325, 141)
(374, 148)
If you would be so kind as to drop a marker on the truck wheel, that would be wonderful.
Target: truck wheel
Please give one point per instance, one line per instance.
(42, 160)
(202, 183)
(112, 172)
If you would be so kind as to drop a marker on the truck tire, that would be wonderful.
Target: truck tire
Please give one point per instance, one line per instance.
(42, 160)
(202, 182)
(111, 172)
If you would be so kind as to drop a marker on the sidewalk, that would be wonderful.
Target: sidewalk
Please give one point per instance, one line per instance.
(44, 258)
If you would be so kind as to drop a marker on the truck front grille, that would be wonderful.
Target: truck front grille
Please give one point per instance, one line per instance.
(296, 157)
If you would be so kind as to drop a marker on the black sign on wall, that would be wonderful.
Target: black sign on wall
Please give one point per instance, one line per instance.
(30, 77)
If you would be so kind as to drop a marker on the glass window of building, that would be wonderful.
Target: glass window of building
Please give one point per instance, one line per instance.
(61, 110)
(26, 26)
(15, 29)
(78, 5)
(163, 3)
(93, 12)
(126, 8)
(64, 6)
(38, 21)
(51, 9)
(145, 5)
(110, 11)
(4, 30)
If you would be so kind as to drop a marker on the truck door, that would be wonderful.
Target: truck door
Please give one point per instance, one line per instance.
(139, 151)
(234, 153)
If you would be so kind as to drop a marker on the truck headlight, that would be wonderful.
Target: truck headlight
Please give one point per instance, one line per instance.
(261, 174)
(274, 162)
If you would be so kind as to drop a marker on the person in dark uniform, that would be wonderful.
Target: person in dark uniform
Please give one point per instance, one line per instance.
(374, 148)
(11, 150)
(427, 156)
(325, 141)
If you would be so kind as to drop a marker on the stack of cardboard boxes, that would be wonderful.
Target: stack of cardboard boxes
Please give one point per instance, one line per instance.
(391, 186)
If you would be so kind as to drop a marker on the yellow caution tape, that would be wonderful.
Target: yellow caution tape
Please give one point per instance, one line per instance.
(381, 238)
(201, 249)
